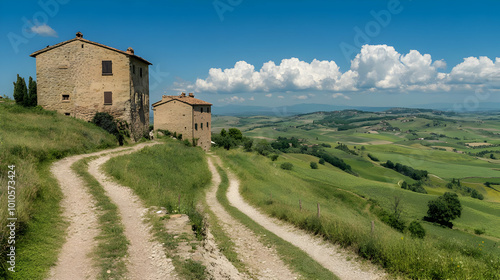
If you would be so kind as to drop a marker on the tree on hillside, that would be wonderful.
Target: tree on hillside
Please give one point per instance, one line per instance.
(263, 147)
(235, 134)
(227, 140)
(444, 209)
(20, 90)
(247, 144)
(32, 98)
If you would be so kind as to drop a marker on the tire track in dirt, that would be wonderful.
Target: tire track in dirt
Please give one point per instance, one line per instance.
(261, 261)
(330, 256)
(79, 211)
(146, 257)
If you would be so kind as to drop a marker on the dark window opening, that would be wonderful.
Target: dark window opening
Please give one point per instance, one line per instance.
(66, 114)
(107, 67)
(65, 97)
(207, 124)
(195, 126)
(201, 124)
(140, 72)
(108, 98)
(82, 46)
(208, 110)
(201, 109)
(133, 69)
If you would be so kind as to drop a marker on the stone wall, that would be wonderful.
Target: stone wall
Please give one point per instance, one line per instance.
(174, 116)
(179, 117)
(139, 97)
(75, 69)
(204, 121)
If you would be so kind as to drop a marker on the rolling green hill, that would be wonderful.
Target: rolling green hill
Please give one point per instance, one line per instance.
(30, 140)
(446, 145)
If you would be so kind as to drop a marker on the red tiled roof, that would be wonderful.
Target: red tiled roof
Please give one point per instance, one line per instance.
(186, 99)
(48, 48)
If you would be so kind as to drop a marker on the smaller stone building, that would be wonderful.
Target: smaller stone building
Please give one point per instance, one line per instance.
(185, 115)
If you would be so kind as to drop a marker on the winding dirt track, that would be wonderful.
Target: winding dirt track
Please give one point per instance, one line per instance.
(79, 210)
(261, 261)
(328, 255)
(146, 258)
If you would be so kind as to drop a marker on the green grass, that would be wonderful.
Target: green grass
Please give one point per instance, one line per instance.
(224, 243)
(44, 233)
(345, 219)
(159, 175)
(443, 164)
(112, 244)
(32, 139)
(291, 255)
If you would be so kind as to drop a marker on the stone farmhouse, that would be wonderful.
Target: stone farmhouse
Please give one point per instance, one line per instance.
(185, 115)
(79, 77)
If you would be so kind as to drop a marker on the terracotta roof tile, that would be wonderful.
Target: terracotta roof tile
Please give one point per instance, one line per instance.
(90, 42)
(186, 99)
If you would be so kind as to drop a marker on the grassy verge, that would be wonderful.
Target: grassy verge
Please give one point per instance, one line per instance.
(31, 139)
(43, 237)
(345, 220)
(112, 244)
(224, 243)
(291, 255)
(163, 176)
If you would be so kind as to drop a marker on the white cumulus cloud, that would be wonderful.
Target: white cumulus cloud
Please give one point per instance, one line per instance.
(44, 30)
(233, 99)
(374, 68)
(338, 94)
(476, 70)
(302, 97)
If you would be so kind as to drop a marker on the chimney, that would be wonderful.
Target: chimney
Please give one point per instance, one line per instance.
(130, 50)
(191, 94)
(183, 94)
(79, 34)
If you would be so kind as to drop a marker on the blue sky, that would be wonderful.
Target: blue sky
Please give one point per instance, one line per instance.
(359, 53)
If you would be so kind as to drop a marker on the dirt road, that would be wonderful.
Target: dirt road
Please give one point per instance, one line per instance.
(330, 256)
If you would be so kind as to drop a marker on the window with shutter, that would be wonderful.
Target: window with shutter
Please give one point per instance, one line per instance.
(195, 126)
(140, 72)
(108, 98)
(107, 67)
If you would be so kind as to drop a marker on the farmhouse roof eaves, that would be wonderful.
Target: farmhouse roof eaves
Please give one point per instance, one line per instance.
(48, 48)
(188, 100)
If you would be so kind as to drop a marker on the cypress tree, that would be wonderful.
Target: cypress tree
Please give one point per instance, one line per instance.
(32, 93)
(20, 91)
(26, 98)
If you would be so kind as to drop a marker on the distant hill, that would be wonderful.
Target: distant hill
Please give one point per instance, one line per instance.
(305, 108)
(241, 110)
